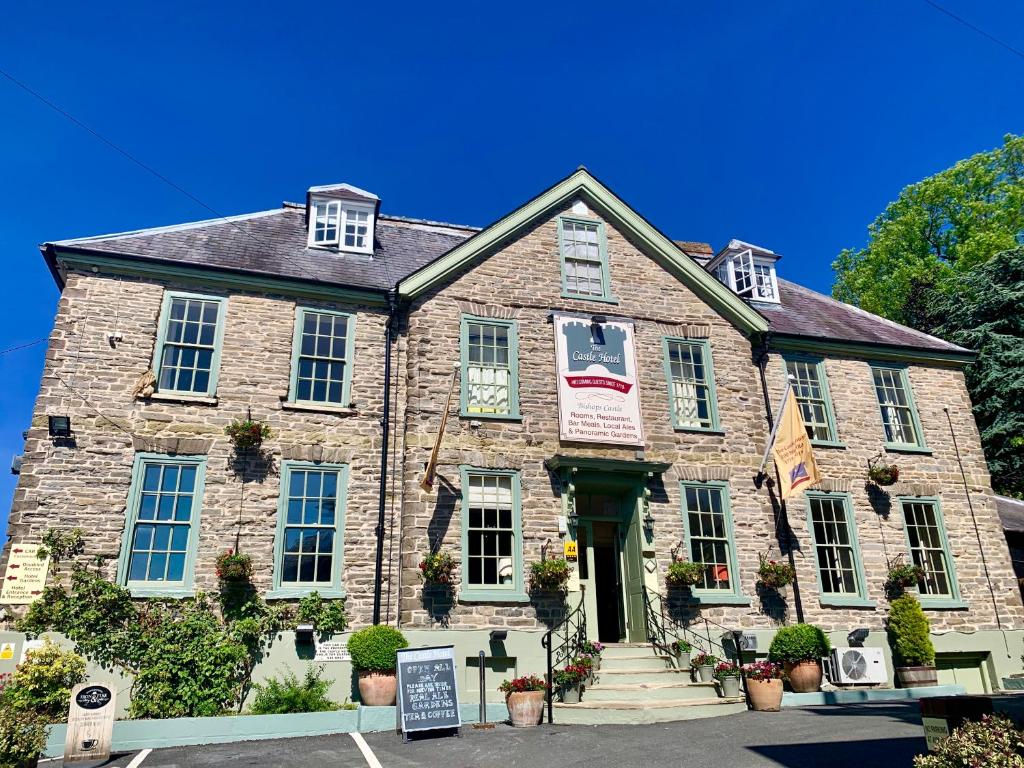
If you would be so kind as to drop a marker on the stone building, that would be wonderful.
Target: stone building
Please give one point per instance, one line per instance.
(342, 327)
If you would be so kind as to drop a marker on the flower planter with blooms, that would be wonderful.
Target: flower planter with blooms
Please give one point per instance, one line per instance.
(681, 650)
(704, 663)
(764, 685)
(683, 574)
(775, 575)
(593, 649)
(524, 697)
(884, 474)
(569, 682)
(436, 568)
(550, 575)
(248, 434)
(728, 676)
(905, 575)
(234, 566)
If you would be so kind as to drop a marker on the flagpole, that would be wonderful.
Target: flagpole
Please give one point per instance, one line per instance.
(759, 478)
(427, 484)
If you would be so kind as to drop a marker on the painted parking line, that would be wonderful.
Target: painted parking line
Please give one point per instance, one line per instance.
(371, 759)
(137, 760)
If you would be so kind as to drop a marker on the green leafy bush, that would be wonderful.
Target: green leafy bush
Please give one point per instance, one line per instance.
(799, 642)
(992, 742)
(22, 737)
(328, 616)
(43, 682)
(375, 649)
(908, 627)
(281, 697)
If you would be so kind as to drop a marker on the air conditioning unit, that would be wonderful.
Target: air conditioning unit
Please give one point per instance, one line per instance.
(857, 666)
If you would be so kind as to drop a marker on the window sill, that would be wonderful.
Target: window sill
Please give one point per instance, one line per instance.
(491, 416)
(600, 299)
(942, 604)
(924, 450)
(827, 444)
(174, 593)
(846, 602)
(710, 598)
(700, 430)
(467, 595)
(337, 410)
(181, 397)
(295, 593)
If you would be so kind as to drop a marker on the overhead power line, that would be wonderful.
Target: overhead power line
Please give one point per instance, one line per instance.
(979, 30)
(22, 346)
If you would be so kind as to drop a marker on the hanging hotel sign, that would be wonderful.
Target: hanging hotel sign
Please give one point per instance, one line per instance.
(598, 394)
(25, 577)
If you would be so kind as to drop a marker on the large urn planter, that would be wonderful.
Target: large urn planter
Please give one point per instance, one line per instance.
(378, 689)
(525, 709)
(765, 695)
(804, 676)
(917, 677)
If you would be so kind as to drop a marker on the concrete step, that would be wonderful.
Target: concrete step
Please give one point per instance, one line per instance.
(664, 711)
(646, 662)
(666, 675)
(615, 650)
(648, 693)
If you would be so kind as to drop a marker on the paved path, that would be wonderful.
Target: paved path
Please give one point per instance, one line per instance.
(837, 737)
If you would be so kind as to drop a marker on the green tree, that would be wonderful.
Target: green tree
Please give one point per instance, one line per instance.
(944, 225)
(983, 310)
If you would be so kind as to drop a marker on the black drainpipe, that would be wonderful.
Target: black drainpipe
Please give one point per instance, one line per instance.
(385, 425)
(782, 530)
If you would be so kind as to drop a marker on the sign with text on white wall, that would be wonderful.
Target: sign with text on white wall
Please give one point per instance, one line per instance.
(598, 392)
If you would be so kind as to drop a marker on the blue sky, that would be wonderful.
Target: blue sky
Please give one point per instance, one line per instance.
(789, 124)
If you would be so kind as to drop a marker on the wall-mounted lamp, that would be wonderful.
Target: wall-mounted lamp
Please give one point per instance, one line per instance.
(59, 426)
(858, 636)
(499, 635)
(304, 634)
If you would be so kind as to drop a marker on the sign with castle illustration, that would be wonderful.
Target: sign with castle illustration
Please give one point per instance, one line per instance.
(598, 396)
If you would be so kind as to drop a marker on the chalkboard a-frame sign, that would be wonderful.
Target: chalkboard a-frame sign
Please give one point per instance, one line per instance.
(428, 695)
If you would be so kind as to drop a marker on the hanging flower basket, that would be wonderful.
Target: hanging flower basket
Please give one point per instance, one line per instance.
(247, 435)
(684, 574)
(436, 568)
(775, 575)
(884, 474)
(550, 575)
(234, 567)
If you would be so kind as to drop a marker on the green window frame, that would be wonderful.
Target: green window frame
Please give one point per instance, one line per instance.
(492, 530)
(710, 539)
(690, 375)
(186, 360)
(489, 351)
(895, 398)
(924, 528)
(813, 396)
(583, 253)
(310, 536)
(161, 533)
(321, 368)
(839, 568)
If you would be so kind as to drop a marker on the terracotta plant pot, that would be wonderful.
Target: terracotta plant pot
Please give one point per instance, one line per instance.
(526, 709)
(804, 676)
(730, 687)
(917, 677)
(765, 695)
(706, 673)
(378, 689)
(570, 695)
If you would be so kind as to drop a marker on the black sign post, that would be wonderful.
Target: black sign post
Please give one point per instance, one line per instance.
(428, 696)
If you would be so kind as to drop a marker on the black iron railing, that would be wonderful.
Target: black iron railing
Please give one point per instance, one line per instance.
(563, 643)
(663, 630)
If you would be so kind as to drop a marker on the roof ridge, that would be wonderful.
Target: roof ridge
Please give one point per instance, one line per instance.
(428, 222)
(872, 315)
(168, 228)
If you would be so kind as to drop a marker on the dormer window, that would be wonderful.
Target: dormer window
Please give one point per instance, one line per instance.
(341, 216)
(748, 270)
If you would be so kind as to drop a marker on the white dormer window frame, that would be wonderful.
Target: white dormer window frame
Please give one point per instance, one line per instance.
(749, 276)
(341, 224)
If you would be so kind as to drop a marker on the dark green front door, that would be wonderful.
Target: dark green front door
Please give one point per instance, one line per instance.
(633, 567)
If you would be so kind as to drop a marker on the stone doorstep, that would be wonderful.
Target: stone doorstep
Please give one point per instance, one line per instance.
(646, 686)
(654, 704)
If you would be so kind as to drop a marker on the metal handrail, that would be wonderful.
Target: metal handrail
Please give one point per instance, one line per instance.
(575, 635)
(661, 627)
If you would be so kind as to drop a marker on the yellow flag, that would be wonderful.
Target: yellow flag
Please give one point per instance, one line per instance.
(792, 451)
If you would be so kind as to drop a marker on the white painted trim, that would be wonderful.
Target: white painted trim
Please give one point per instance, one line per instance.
(368, 756)
(169, 228)
(348, 187)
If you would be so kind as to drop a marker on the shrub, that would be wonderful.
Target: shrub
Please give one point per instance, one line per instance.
(549, 575)
(232, 566)
(762, 670)
(281, 697)
(43, 682)
(22, 737)
(375, 649)
(726, 669)
(773, 574)
(328, 616)
(247, 434)
(907, 627)
(437, 568)
(683, 573)
(703, 660)
(992, 742)
(798, 642)
(523, 684)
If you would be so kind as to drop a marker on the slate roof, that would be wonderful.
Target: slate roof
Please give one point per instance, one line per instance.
(273, 243)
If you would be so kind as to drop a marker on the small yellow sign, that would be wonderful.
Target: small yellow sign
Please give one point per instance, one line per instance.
(6, 651)
(570, 550)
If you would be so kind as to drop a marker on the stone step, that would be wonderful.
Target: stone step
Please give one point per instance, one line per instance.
(616, 650)
(643, 675)
(634, 661)
(648, 692)
(628, 713)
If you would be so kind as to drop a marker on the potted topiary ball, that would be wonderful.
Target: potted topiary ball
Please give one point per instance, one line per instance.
(799, 648)
(374, 653)
(911, 643)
